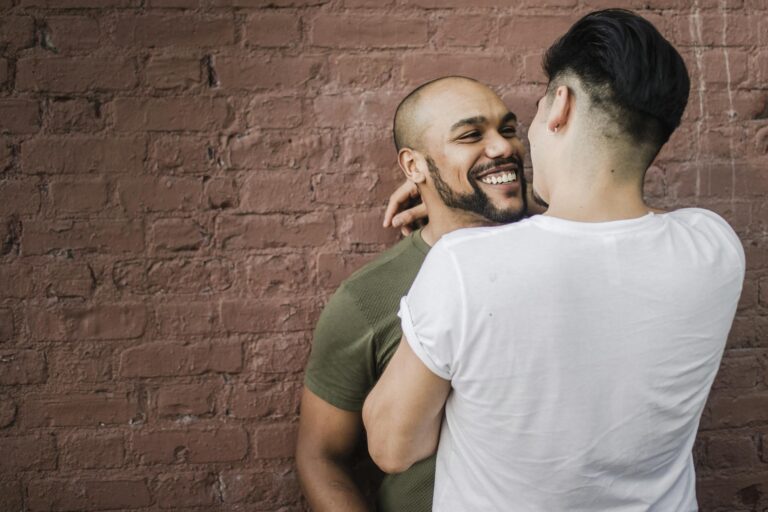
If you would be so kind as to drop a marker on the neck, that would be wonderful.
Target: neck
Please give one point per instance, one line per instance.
(443, 220)
(586, 195)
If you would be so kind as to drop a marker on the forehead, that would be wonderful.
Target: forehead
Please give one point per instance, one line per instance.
(450, 102)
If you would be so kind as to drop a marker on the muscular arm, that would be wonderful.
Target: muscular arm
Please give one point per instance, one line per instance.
(327, 438)
(403, 412)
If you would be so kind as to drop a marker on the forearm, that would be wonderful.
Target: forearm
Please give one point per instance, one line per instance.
(328, 485)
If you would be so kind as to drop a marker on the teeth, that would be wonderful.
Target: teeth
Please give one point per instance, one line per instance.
(501, 178)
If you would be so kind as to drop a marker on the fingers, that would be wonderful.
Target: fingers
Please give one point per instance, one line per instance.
(399, 198)
(405, 219)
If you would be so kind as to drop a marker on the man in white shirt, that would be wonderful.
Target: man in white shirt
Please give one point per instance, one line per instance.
(570, 354)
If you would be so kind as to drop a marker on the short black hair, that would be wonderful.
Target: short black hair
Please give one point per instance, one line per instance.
(628, 69)
(402, 125)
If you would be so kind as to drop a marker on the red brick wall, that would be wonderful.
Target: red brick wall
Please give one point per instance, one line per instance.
(183, 183)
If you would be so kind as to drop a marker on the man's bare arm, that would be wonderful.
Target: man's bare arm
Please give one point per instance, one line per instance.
(404, 411)
(327, 438)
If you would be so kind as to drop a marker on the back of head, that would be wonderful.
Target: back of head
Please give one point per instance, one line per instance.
(629, 71)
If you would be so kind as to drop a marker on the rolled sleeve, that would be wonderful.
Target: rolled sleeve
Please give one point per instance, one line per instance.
(432, 313)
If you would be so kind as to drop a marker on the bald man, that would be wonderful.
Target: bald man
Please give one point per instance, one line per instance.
(458, 142)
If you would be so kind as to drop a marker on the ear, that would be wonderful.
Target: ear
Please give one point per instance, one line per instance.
(413, 165)
(560, 111)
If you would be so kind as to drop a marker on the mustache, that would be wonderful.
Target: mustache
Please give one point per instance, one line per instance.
(480, 168)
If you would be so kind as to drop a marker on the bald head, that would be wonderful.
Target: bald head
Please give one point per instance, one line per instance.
(408, 124)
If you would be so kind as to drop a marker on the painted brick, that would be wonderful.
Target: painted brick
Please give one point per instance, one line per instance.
(266, 400)
(55, 155)
(186, 399)
(279, 150)
(98, 322)
(183, 154)
(17, 32)
(354, 31)
(275, 441)
(19, 198)
(92, 450)
(159, 194)
(167, 359)
(273, 29)
(362, 71)
(176, 235)
(171, 114)
(74, 115)
(533, 31)
(67, 280)
(268, 487)
(17, 279)
(264, 192)
(501, 69)
(365, 228)
(22, 367)
(187, 490)
(333, 268)
(271, 112)
(464, 30)
(80, 363)
(268, 231)
(67, 74)
(278, 356)
(170, 72)
(19, 116)
(246, 72)
(78, 196)
(178, 276)
(187, 318)
(74, 410)
(275, 274)
(27, 453)
(100, 236)
(73, 33)
(87, 495)
(195, 446)
(80, 4)
(6, 325)
(268, 315)
(11, 496)
(158, 30)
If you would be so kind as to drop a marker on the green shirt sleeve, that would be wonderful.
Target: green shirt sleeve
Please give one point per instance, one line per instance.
(341, 367)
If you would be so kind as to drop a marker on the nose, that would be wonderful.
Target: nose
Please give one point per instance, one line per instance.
(497, 146)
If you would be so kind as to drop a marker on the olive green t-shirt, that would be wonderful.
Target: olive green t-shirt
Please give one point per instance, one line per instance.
(355, 338)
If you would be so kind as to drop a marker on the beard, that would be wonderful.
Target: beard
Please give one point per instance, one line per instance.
(478, 201)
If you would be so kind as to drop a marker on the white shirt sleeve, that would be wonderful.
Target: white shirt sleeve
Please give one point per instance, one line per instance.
(433, 314)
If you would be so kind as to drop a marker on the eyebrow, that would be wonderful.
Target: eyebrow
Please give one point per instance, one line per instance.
(474, 121)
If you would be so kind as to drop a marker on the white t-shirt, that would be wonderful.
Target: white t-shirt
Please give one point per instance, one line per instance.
(580, 357)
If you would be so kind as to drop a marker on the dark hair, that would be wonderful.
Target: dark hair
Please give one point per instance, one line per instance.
(628, 69)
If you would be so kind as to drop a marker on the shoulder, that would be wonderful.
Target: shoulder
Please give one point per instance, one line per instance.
(475, 239)
(711, 226)
(392, 271)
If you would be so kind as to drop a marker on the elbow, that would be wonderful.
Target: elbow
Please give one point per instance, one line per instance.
(382, 446)
(389, 460)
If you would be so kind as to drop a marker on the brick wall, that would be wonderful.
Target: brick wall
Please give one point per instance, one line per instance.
(183, 183)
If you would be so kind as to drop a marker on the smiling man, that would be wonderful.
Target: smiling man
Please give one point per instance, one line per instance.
(564, 361)
(458, 142)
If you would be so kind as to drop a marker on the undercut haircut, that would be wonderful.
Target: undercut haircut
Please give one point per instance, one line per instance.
(406, 133)
(629, 71)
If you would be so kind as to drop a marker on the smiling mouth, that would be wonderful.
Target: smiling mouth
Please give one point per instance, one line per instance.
(499, 175)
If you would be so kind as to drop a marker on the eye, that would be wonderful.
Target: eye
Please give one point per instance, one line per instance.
(509, 131)
(470, 136)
